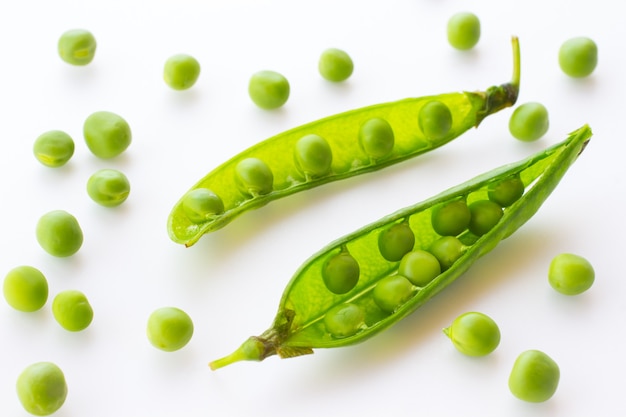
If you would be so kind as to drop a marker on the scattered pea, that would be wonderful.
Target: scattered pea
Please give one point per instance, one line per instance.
(59, 233)
(169, 329)
(71, 309)
(474, 334)
(463, 30)
(181, 71)
(42, 388)
(451, 219)
(435, 120)
(268, 89)
(53, 148)
(578, 57)
(447, 250)
(420, 267)
(344, 320)
(77, 47)
(341, 273)
(506, 192)
(570, 274)
(484, 215)
(335, 65)
(529, 121)
(376, 137)
(202, 204)
(313, 155)
(534, 377)
(25, 288)
(106, 134)
(108, 187)
(391, 292)
(396, 241)
(254, 177)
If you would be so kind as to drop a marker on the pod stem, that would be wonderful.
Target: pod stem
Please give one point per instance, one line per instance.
(253, 349)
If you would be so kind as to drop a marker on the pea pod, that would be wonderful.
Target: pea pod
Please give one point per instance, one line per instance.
(333, 148)
(311, 315)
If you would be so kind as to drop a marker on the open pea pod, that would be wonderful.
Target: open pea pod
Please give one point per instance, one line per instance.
(330, 149)
(368, 280)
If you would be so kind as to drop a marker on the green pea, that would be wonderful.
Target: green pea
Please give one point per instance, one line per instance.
(578, 57)
(313, 155)
(181, 71)
(376, 137)
(77, 47)
(106, 134)
(534, 377)
(447, 250)
(41, 388)
(169, 329)
(529, 122)
(507, 191)
(108, 187)
(450, 219)
(463, 30)
(25, 288)
(420, 267)
(435, 120)
(53, 148)
(59, 233)
(72, 310)
(341, 273)
(344, 320)
(268, 89)
(391, 292)
(485, 214)
(202, 204)
(396, 241)
(254, 177)
(474, 334)
(335, 65)
(570, 274)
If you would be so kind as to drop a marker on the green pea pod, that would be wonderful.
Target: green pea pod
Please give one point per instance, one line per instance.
(313, 314)
(330, 149)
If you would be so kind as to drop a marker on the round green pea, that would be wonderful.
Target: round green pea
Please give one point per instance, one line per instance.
(53, 148)
(268, 89)
(485, 214)
(59, 233)
(420, 267)
(396, 241)
(106, 134)
(169, 329)
(435, 120)
(392, 292)
(335, 65)
(474, 334)
(181, 71)
(463, 30)
(77, 47)
(313, 155)
(41, 388)
(344, 320)
(341, 273)
(447, 250)
(578, 57)
(25, 288)
(202, 204)
(450, 219)
(506, 192)
(254, 177)
(376, 137)
(534, 377)
(72, 310)
(570, 274)
(529, 122)
(108, 187)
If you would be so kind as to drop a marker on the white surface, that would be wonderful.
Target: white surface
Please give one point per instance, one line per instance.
(231, 281)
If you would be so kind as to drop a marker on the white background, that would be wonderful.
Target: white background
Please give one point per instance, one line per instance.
(231, 281)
